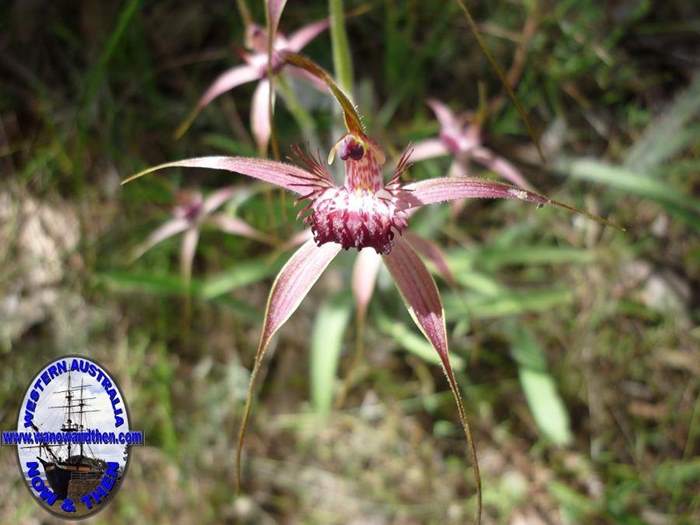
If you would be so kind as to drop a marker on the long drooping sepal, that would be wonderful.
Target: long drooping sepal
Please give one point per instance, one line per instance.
(281, 174)
(433, 253)
(228, 80)
(444, 189)
(422, 299)
(292, 284)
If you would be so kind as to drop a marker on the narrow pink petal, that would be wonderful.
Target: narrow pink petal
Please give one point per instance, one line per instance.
(444, 114)
(165, 231)
(454, 188)
(217, 199)
(292, 284)
(281, 174)
(260, 115)
(228, 80)
(433, 253)
(428, 149)
(236, 226)
(275, 8)
(500, 166)
(422, 299)
(189, 245)
(420, 295)
(301, 37)
(445, 189)
(364, 278)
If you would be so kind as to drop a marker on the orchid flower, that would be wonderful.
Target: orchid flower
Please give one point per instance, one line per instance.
(366, 213)
(191, 213)
(460, 137)
(256, 69)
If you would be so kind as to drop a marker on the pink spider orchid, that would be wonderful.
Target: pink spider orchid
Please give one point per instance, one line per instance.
(191, 213)
(256, 69)
(365, 213)
(460, 137)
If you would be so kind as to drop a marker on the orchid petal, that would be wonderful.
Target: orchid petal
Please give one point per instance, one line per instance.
(228, 80)
(500, 166)
(274, 9)
(217, 199)
(165, 231)
(445, 189)
(292, 284)
(260, 115)
(236, 226)
(422, 299)
(444, 114)
(433, 253)
(428, 149)
(189, 245)
(301, 37)
(364, 278)
(281, 174)
(454, 188)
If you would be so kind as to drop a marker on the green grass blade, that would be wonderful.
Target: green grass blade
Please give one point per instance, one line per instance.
(543, 399)
(326, 346)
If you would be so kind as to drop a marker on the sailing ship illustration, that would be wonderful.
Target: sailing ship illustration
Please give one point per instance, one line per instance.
(71, 469)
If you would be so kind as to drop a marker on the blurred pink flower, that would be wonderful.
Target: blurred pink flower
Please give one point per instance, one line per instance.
(191, 213)
(256, 69)
(460, 137)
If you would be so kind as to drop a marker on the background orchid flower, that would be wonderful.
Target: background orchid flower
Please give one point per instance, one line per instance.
(256, 69)
(191, 213)
(460, 137)
(365, 212)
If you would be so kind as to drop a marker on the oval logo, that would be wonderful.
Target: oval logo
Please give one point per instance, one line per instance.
(73, 437)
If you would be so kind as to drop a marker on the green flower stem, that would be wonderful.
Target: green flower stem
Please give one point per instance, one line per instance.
(342, 60)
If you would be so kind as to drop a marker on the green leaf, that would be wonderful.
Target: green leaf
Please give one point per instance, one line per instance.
(545, 404)
(326, 345)
(681, 205)
(505, 303)
(241, 274)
